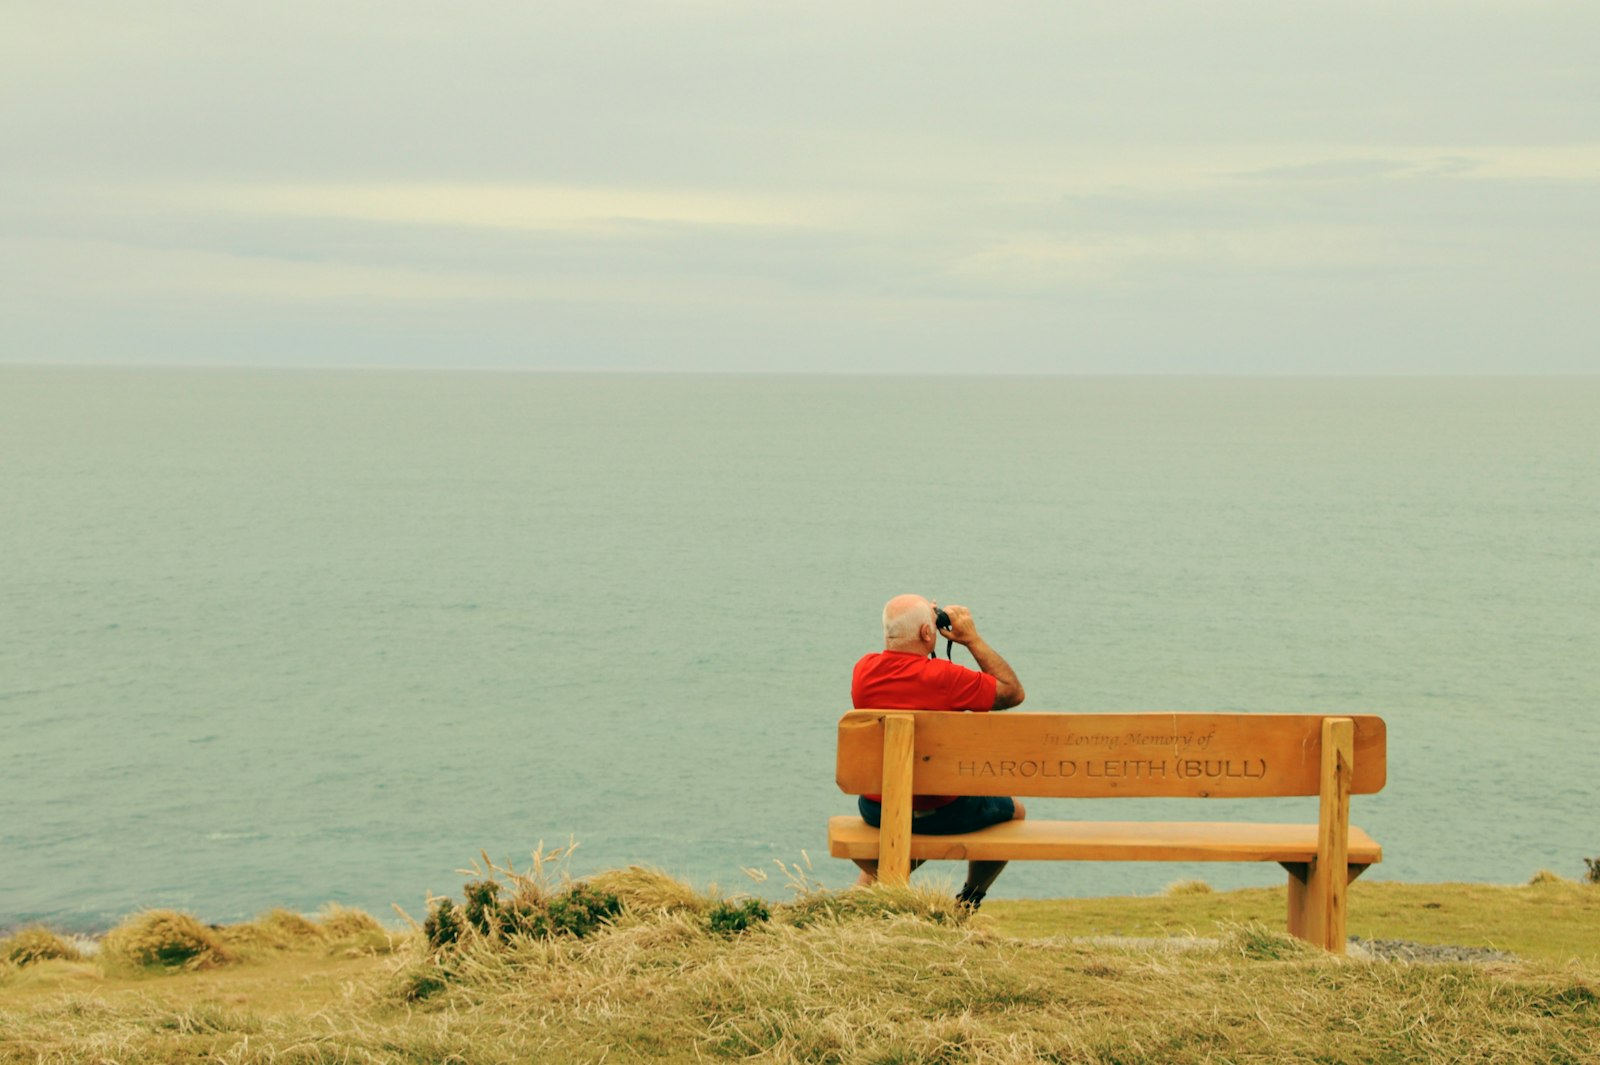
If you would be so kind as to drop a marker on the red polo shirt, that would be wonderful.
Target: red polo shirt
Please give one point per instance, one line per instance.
(904, 680)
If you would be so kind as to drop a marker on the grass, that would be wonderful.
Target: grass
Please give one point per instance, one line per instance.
(1556, 919)
(30, 946)
(869, 976)
(164, 939)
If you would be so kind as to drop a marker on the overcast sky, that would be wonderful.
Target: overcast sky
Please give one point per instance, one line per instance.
(1056, 187)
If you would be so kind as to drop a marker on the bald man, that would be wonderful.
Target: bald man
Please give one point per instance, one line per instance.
(905, 675)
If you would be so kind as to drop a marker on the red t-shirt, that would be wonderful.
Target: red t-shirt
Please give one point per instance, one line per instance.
(904, 680)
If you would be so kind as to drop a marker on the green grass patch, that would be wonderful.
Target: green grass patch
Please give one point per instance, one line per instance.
(1553, 919)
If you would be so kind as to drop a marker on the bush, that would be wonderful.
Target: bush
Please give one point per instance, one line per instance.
(525, 914)
(35, 945)
(578, 911)
(419, 981)
(482, 909)
(731, 918)
(165, 939)
(582, 909)
(1593, 875)
(443, 925)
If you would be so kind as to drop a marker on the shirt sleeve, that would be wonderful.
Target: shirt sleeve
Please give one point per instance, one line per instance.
(968, 689)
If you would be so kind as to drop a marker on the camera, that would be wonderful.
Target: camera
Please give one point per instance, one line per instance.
(941, 622)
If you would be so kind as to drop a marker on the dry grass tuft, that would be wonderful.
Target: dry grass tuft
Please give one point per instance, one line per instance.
(1188, 887)
(32, 945)
(1260, 943)
(274, 930)
(337, 929)
(643, 890)
(290, 926)
(1545, 876)
(165, 939)
(878, 902)
(353, 932)
(343, 922)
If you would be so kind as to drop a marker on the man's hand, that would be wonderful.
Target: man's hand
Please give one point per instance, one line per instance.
(963, 630)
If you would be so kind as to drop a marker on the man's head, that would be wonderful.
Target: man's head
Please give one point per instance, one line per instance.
(908, 624)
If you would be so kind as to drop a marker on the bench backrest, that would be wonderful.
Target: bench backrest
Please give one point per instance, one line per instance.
(1181, 755)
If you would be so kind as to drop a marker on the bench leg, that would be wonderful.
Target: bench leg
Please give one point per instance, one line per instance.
(894, 824)
(1325, 918)
(1306, 903)
(1299, 887)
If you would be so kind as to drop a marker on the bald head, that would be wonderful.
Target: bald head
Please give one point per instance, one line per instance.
(908, 624)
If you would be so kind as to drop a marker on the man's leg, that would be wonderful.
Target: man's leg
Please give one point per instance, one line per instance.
(981, 874)
(869, 870)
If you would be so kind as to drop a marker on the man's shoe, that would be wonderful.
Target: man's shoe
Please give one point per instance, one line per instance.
(969, 899)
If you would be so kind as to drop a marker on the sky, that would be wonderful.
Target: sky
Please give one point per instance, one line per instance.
(1228, 187)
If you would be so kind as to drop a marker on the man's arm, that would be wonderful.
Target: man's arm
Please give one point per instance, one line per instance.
(1008, 689)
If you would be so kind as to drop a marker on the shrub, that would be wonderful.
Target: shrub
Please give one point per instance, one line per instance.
(165, 939)
(578, 911)
(419, 981)
(32, 945)
(731, 918)
(525, 914)
(482, 909)
(443, 925)
(1593, 875)
(582, 909)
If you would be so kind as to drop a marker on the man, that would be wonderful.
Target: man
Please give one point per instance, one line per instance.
(903, 676)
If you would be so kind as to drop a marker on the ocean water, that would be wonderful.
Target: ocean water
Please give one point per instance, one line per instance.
(281, 638)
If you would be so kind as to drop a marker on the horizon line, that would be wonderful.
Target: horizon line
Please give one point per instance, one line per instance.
(683, 372)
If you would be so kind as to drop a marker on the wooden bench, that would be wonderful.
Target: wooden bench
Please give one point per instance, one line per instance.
(898, 753)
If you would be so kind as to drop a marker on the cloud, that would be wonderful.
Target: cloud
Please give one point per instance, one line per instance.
(878, 178)
(1044, 263)
(593, 209)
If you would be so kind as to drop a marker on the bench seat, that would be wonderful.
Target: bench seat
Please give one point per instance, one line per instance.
(1116, 841)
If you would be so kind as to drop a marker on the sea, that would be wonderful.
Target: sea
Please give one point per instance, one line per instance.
(281, 638)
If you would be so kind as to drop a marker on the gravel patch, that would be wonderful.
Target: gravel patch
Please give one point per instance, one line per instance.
(1428, 953)
(1163, 944)
(1401, 950)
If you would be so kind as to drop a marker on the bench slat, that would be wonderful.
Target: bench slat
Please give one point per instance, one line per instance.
(1180, 755)
(1118, 841)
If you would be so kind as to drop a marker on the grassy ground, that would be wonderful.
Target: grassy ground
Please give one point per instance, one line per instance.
(1554, 920)
(884, 978)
